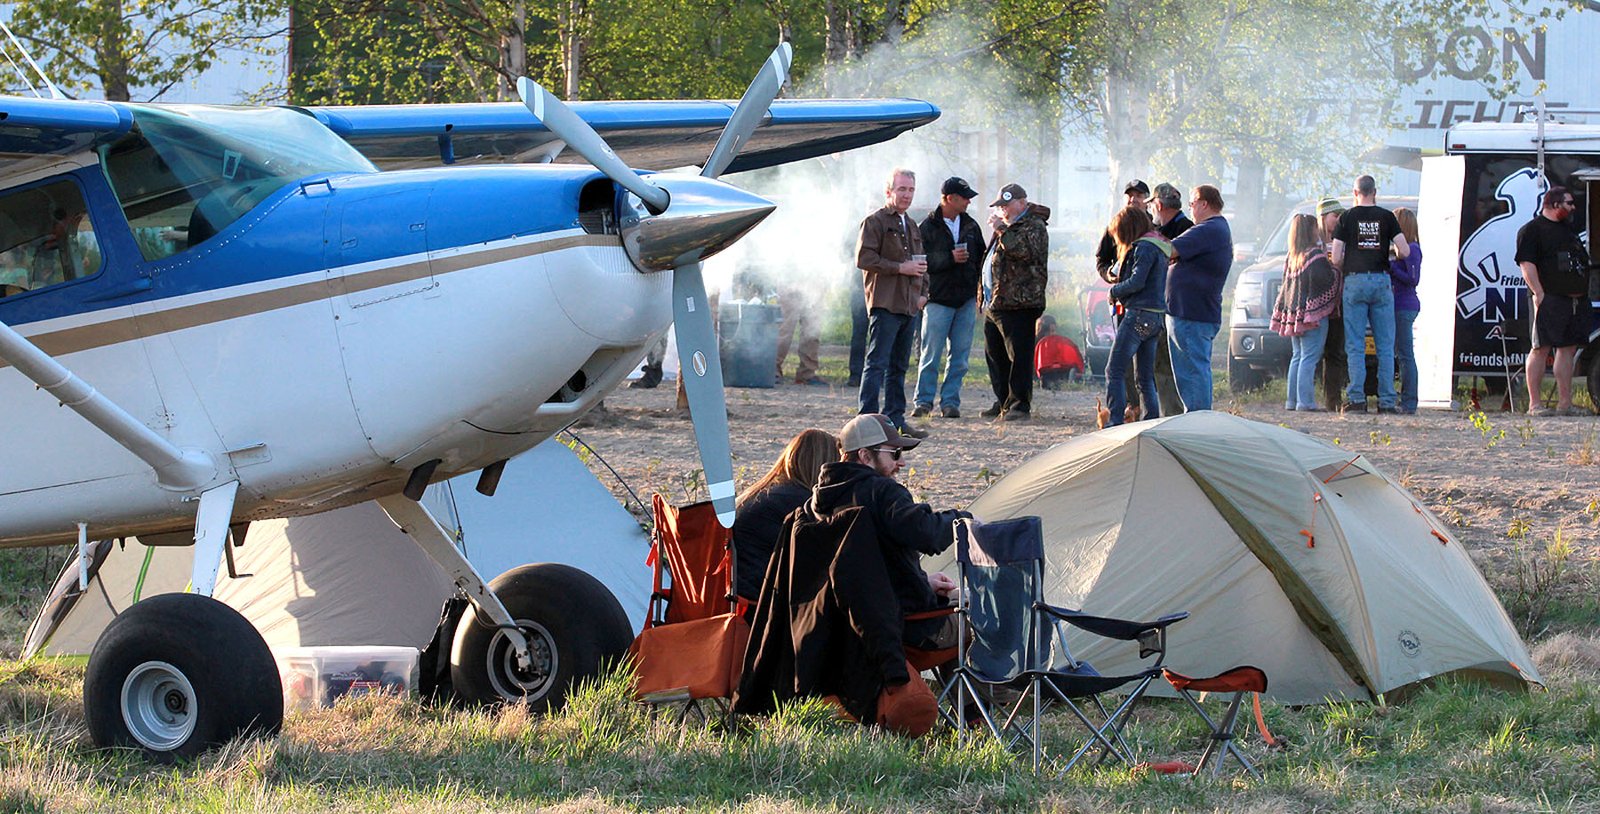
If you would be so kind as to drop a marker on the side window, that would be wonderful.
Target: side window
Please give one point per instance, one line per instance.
(46, 238)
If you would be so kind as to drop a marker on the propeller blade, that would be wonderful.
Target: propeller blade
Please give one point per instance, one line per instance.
(752, 107)
(701, 368)
(583, 140)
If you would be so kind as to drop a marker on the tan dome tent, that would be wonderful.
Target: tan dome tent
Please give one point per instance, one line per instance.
(1291, 554)
(349, 576)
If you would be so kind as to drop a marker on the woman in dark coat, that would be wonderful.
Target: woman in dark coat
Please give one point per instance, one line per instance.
(762, 507)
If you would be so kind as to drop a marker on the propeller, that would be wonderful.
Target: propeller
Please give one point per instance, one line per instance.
(708, 216)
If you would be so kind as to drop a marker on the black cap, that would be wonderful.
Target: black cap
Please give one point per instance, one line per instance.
(1009, 193)
(957, 186)
(1136, 186)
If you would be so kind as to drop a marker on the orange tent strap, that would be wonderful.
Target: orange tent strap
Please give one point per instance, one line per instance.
(1443, 540)
(1261, 723)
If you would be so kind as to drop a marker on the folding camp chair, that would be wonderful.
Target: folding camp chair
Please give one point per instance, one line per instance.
(693, 641)
(1239, 681)
(1012, 638)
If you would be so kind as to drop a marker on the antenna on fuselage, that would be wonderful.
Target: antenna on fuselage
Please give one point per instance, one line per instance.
(55, 92)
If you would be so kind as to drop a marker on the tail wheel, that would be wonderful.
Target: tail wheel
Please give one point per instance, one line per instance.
(574, 627)
(177, 674)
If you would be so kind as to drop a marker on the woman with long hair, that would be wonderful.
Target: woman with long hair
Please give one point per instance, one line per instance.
(1403, 277)
(763, 506)
(1305, 305)
(1141, 297)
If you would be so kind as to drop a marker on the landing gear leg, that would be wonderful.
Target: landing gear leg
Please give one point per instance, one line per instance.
(419, 525)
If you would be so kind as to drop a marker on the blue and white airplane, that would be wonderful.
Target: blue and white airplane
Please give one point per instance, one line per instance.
(210, 315)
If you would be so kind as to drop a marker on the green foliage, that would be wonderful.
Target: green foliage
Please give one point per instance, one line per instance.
(1280, 95)
(128, 48)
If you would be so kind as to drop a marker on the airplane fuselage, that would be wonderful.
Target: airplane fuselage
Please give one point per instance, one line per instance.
(342, 330)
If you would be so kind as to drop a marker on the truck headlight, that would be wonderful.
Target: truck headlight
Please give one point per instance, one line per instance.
(1248, 344)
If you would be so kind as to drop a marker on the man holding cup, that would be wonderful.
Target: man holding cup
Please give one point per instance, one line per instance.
(955, 248)
(894, 271)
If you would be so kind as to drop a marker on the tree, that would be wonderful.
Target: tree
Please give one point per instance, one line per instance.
(1275, 95)
(144, 47)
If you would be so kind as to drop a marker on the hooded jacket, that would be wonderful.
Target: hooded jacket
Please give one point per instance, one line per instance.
(827, 622)
(906, 529)
(1020, 258)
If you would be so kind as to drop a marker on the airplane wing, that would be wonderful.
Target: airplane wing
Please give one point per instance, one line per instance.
(41, 129)
(658, 135)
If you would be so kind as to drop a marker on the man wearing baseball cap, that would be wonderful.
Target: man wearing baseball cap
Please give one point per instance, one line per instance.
(1018, 274)
(873, 450)
(1136, 193)
(954, 244)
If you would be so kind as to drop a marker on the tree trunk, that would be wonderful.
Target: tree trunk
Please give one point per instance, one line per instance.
(514, 51)
(572, 45)
(111, 53)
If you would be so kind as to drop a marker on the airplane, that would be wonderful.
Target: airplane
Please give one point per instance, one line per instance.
(211, 315)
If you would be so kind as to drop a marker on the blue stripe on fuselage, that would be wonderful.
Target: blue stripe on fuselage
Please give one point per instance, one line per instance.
(292, 233)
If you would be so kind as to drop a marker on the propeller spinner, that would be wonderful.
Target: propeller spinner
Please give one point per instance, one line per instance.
(685, 220)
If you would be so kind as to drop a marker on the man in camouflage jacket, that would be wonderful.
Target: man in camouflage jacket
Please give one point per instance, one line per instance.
(1021, 249)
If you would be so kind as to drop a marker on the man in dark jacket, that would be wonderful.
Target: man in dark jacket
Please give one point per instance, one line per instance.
(873, 452)
(1136, 193)
(1021, 251)
(954, 244)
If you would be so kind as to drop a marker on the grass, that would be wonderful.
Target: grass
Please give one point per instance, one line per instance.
(1453, 747)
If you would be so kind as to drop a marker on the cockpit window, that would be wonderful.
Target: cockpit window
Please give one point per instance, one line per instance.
(46, 238)
(186, 172)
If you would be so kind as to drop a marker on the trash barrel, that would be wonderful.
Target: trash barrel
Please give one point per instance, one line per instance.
(748, 343)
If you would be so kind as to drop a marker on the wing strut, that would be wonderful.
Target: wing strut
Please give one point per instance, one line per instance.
(180, 470)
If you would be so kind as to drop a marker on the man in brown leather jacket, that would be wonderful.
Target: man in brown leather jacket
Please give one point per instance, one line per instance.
(1021, 250)
(895, 272)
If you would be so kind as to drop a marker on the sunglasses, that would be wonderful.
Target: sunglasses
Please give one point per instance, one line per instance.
(894, 452)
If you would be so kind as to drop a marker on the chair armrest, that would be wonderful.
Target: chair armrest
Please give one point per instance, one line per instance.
(1108, 627)
(930, 614)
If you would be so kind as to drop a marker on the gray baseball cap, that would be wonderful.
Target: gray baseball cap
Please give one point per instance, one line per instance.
(872, 430)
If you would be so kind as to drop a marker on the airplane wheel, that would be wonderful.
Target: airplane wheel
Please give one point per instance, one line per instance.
(177, 674)
(575, 627)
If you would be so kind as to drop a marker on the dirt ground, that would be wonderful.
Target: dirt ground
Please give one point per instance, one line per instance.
(1503, 481)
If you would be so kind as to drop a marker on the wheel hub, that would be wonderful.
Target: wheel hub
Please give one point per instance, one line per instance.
(159, 706)
(514, 682)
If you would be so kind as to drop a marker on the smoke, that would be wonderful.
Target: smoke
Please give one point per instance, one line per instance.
(987, 133)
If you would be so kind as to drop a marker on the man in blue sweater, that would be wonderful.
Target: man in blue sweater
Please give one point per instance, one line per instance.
(1202, 255)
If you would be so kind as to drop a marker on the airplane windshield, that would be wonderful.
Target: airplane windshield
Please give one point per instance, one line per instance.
(188, 171)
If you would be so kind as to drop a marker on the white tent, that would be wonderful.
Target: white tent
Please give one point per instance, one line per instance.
(1291, 554)
(350, 576)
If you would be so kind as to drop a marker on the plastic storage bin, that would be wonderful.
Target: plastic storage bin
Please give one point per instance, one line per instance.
(748, 343)
(318, 676)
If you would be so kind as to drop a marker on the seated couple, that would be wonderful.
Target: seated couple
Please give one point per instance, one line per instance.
(842, 570)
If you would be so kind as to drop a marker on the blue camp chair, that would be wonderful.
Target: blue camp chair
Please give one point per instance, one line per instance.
(1012, 638)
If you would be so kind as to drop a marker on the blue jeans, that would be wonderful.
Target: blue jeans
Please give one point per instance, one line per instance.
(945, 328)
(1369, 300)
(888, 356)
(1306, 353)
(1190, 343)
(1405, 356)
(858, 328)
(1128, 345)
